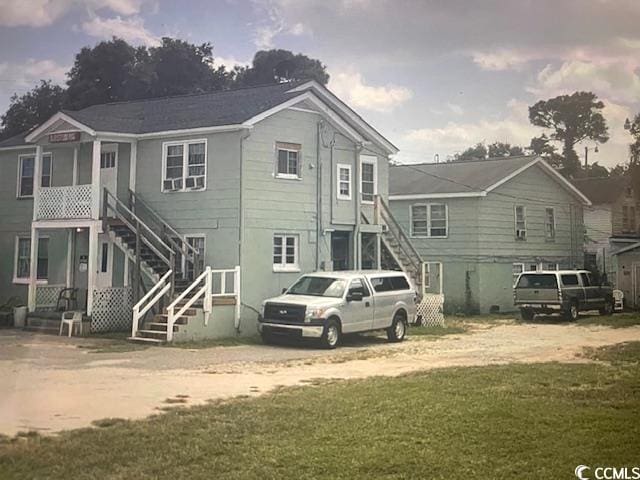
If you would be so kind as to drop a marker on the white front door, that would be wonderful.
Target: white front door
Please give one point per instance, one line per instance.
(105, 262)
(108, 168)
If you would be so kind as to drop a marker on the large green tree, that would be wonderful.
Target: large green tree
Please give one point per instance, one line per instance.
(634, 148)
(32, 108)
(571, 119)
(481, 152)
(276, 66)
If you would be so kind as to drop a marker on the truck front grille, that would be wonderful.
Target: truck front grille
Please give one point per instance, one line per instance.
(284, 312)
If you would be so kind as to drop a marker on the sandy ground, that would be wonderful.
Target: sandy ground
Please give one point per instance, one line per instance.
(49, 384)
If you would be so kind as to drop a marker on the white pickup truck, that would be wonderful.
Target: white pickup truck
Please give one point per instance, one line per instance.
(326, 305)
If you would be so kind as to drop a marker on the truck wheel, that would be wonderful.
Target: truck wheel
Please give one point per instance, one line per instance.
(572, 313)
(607, 308)
(331, 336)
(527, 314)
(398, 329)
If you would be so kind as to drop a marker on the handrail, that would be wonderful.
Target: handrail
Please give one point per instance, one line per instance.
(172, 316)
(163, 285)
(137, 199)
(389, 218)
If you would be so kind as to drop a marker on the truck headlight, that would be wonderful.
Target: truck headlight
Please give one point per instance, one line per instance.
(314, 313)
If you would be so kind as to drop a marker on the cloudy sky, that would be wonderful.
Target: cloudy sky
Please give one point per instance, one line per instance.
(433, 76)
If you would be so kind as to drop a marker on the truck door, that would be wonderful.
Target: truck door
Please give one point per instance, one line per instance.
(591, 292)
(358, 314)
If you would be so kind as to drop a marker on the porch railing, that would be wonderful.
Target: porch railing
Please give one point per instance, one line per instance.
(151, 298)
(60, 203)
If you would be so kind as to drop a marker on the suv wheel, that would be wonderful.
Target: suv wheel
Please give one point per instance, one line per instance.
(527, 314)
(607, 308)
(398, 329)
(572, 313)
(331, 336)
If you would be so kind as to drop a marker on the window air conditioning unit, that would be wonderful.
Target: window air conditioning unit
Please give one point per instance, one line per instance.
(521, 234)
(195, 183)
(172, 184)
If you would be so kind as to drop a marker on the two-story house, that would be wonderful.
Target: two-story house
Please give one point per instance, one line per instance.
(612, 225)
(486, 222)
(120, 199)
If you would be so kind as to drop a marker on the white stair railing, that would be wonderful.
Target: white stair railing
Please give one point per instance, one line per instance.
(203, 287)
(146, 302)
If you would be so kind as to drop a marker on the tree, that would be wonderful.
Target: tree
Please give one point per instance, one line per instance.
(180, 67)
(634, 148)
(276, 66)
(541, 147)
(572, 118)
(106, 73)
(477, 152)
(481, 152)
(31, 109)
(499, 149)
(595, 170)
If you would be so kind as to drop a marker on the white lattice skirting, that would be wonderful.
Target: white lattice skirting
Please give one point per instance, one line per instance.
(430, 310)
(64, 202)
(112, 309)
(47, 296)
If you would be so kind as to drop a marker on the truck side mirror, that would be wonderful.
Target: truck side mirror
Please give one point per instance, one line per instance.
(355, 296)
(284, 290)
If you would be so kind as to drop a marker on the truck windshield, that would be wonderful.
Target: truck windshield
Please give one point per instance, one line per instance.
(537, 280)
(318, 287)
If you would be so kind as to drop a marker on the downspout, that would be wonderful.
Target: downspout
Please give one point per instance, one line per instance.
(319, 228)
(243, 137)
(356, 230)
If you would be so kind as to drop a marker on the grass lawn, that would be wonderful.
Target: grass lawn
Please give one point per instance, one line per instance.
(514, 421)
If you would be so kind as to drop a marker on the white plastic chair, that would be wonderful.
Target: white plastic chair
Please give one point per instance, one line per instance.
(618, 300)
(70, 319)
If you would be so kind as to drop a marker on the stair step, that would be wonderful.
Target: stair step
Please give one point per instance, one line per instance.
(146, 340)
(153, 334)
(160, 327)
(182, 320)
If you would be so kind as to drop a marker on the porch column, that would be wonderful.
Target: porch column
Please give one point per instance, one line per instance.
(74, 178)
(70, 254)
(33, 269)
(379, 251)
(133, 162)
(92, 266)
(95, 180)
(37, 176)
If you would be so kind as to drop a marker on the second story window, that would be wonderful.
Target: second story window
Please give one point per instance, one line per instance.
(550, 223)
(288, 160)
(26, 171)
(344, 182)
(368, 177)
(521, 222)
(429, 220)
(628, 219)
(184, 166)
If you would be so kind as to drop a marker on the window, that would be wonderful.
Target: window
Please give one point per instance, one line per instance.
(390, 283)
(569, 280)
(533, 267)
(628, 219)
(521, 222)
(197, 242)
(285, 253)
(23, 260)
(184, 166)
(26, 170)
(358, 286)
(108, 159)
(344, 182)
(104, 258)
(550, 223)
(586, 279)
(518, 268)
(429, 220)
(288, 160)
(550, 266)
(537, 280)
(368, 178)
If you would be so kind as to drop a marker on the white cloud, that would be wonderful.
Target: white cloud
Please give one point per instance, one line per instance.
(500, 60)
(40, 13)
(352, 88)
(230, 62)
(130, 29)
(24, 76)
(455, 108)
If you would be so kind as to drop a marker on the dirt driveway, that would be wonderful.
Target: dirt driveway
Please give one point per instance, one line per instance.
(49, 384)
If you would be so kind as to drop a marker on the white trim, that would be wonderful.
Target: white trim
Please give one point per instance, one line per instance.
(427, 196)
(74, 173)
(555, 229)
(339, 195)
(79, 223)
(287, 176)
(428, 206)
(371, 160)
(133, 164)
(33, 136)
(515, 221)
(25, 280)
(185, 164)
(305, 110)
(348, 112)
(28, 155)
(284, 266)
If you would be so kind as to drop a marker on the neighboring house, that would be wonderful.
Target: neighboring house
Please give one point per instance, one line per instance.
(486, 222)
(274, 179)
(612, 225)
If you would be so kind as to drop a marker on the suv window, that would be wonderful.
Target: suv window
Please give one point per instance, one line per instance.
(570, 280)
(537, 280)
(586, 279)
(357, 285)
(388, 284)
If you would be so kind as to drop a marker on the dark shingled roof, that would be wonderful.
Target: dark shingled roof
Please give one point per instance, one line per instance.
(601, 189)
(213, 109)
(15, 141)
(452, 177)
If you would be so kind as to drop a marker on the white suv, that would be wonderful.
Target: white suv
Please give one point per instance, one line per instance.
(326, 305)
